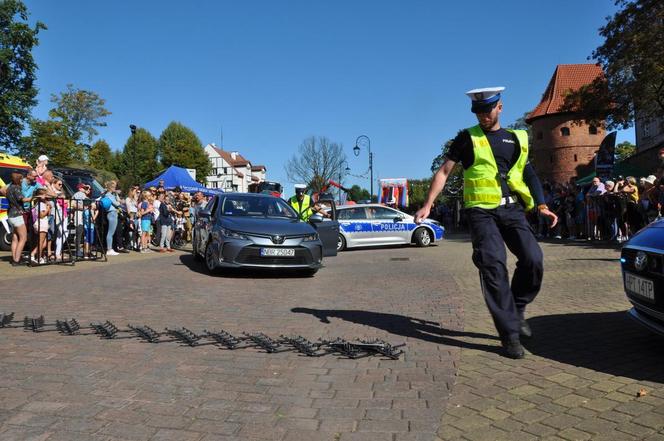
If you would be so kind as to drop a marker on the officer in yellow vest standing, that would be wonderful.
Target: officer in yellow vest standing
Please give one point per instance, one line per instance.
(499, 187)
(301, 203)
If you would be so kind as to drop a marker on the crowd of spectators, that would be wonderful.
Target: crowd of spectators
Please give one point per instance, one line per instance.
(149, 216)
(609, 209)
(49, 225)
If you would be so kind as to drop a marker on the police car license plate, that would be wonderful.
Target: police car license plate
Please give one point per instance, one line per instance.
(638, 285)
(278, 252)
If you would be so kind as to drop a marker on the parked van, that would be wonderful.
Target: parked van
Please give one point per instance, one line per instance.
(8, 164)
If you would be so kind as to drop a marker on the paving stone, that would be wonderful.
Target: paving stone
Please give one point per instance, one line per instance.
(572, 434)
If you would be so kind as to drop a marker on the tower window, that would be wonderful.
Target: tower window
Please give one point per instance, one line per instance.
(564, 131)
(540, 135)
(575, 159)
(551, 159)
(592, 130)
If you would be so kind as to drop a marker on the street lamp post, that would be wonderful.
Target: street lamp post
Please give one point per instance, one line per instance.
(356, 151)
(132, 153)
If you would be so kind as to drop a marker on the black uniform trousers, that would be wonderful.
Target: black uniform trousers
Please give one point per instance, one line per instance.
(490, 231)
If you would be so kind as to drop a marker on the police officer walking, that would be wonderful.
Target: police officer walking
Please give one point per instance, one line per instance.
(500, 186)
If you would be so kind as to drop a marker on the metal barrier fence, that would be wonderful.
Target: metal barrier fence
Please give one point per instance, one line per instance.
(63, 230)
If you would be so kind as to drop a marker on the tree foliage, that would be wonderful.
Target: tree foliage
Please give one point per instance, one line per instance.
(179, 145)
(624, 150)
(81, 111)
(632, 58)
(50, 138)
(100, 156)
(317, 161)
(455, 179)
(138, 162)
(358, 193)
(17, 70)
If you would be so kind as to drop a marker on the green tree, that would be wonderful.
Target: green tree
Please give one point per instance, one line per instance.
(50, 138)
(318, 160)
(417, 192)
(17, 70)
(632, 58)
(179, 145)
(81, 111)
(624, 150)
(100, 156)
(454, 182)
(358, 193)
(138, 162)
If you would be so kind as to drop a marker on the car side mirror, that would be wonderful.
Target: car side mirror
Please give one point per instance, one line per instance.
(316, 219)
(204, 214)
(398, 218)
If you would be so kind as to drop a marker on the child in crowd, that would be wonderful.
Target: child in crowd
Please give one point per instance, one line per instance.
(40, 213)
(42, 166)
(89, 218)
(145, 212)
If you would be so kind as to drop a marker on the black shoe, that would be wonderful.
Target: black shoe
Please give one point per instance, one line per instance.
(513, 349)
(524, 329)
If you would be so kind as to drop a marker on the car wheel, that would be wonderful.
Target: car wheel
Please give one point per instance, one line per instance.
(341, 243)
(422, 237)
(210, 259)
(5, 239)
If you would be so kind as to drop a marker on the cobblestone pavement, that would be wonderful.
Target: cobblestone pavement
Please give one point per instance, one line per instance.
(585, 365)
(55, 387)
(580, 379)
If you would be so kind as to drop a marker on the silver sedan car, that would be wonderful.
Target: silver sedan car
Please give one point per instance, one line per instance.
(364, 225)
(260, 231)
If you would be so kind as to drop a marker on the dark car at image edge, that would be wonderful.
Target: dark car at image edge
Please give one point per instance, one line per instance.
(642, 261)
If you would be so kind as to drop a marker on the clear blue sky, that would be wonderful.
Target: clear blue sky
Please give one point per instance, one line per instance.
(274, 72)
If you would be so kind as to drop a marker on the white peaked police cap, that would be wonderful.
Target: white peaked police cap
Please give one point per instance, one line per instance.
(300, 186)
(484, 99)
(42, 158)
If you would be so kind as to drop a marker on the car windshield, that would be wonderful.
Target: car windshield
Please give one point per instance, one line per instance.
(240, 205)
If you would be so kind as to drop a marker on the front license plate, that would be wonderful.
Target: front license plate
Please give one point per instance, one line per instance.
(641, 287)
(278, 252)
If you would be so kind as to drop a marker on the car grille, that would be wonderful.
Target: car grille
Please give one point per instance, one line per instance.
(251, 256)
(655, 262)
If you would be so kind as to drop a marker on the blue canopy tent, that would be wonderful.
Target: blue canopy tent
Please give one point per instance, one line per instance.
(175, 176)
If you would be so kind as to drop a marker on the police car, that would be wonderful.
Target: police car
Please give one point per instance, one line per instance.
(365, 225)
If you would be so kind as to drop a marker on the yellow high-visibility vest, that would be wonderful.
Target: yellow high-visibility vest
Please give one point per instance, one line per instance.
(304, 210)
(481, 181)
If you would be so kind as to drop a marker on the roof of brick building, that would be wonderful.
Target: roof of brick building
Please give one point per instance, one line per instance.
(566, 78)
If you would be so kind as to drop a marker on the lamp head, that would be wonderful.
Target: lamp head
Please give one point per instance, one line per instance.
(132, 128)
(356, 150)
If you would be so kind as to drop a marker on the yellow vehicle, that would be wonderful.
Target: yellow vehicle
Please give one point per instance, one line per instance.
(8, 164)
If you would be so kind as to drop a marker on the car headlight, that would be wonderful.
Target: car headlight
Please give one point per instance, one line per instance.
(310, 238)
(233, 234)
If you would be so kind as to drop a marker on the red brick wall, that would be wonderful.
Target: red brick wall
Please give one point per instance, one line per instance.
(554, 154)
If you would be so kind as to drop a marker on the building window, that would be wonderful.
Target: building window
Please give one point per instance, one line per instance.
(575, 159)
(540, 135)
(592, 130)
(564, 131)
(551, 159)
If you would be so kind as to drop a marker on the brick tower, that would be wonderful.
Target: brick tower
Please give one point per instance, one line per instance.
(562, 148)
